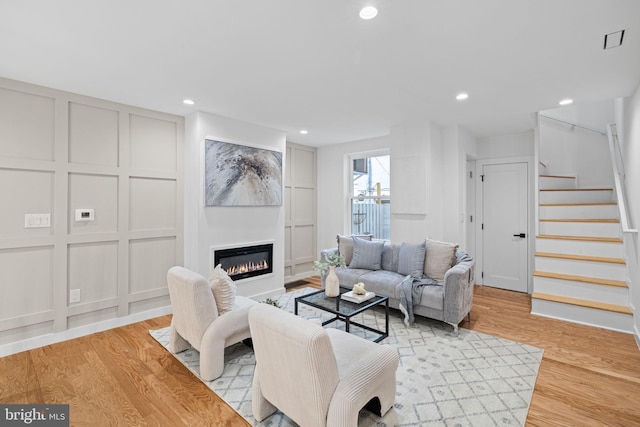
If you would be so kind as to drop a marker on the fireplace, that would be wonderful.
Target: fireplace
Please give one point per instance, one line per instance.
(246, 261)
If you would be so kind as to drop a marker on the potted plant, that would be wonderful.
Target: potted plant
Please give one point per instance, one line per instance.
(331, 283)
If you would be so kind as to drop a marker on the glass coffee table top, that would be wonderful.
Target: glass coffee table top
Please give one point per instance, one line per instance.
(344, 310)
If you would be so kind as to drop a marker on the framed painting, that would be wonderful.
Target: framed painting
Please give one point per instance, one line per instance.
(240, 175)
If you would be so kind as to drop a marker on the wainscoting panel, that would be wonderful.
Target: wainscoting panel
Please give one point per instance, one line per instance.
(300, 212)
(24, 192)
(93, 268)
(26, 125)
(149, 261)
(153, 144)
(98, 192)
(153, 204)
(61, 152)
(26, 275)
(93, 135)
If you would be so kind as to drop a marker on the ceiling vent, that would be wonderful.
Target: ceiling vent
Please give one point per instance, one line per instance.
(612, 40)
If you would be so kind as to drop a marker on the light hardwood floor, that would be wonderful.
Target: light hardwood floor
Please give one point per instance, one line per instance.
(122, 377)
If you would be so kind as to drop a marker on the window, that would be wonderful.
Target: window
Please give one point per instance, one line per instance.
(370, 196)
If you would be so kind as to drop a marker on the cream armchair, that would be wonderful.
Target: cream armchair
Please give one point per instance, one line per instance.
(317, 376)
(196, 322)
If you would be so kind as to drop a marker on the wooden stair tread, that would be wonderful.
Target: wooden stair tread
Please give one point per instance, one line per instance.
(576, 189)
(583, 279)
(583, 303)
(581, 257)
(582, 238)
(579, 204)
(557, 176)
(594, 220)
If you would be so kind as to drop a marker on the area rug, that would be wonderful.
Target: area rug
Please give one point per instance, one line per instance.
(471, 379)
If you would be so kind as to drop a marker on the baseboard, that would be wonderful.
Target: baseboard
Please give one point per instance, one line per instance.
(636, 335)
(81, 331)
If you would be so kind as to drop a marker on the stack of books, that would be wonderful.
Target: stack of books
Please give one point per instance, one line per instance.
(351, 297)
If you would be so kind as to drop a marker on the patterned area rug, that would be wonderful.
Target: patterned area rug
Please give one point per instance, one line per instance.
(471, 379)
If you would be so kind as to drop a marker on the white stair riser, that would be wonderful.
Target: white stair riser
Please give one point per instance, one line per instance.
(584, 315)
(588, 291)
(582, 229)
(579, 212)
(580, 247)
(601, 270)
(548, 182)
(575, 196)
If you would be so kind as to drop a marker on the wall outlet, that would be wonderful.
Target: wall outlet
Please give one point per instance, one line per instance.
(74, 295)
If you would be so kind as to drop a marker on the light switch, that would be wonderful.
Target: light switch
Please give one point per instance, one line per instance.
(37, 220)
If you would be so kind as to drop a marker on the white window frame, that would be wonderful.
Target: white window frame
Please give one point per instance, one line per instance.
(350, 194)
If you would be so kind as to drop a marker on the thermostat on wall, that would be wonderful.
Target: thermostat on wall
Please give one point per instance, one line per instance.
(84, 215)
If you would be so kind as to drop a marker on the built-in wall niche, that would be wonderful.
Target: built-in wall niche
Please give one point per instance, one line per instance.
(244, 261)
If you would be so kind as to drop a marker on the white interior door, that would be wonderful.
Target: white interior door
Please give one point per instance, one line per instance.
(504, 226)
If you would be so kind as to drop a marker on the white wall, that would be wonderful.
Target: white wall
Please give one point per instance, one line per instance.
(511, 145)
(427, 168)
(207, 227)
(559, 145)
(631, 155)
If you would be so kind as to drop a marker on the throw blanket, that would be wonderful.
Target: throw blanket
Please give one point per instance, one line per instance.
(411, 294)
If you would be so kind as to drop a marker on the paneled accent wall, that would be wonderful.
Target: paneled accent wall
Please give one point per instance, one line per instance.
(300, 212)
(61, 152)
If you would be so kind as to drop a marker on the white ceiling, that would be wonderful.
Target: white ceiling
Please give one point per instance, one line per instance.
(314, 64)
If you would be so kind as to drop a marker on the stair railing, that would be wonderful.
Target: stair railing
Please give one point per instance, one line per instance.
(619, 178)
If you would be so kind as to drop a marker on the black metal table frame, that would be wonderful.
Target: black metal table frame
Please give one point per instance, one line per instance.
(346, 318)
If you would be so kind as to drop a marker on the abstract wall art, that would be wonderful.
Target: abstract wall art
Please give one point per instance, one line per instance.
(239, 175)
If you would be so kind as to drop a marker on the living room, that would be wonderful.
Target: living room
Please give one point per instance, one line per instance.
(84, 129)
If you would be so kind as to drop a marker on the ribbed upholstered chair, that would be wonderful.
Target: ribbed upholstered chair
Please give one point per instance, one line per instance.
(196, 322)
(316, 376)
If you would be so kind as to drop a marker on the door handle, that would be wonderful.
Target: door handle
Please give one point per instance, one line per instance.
(521, 235)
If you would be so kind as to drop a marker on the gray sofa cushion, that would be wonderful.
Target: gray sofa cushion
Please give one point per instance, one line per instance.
(366, 254)
(381, 282)
(411, 259)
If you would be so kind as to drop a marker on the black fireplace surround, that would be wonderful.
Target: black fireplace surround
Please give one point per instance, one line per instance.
(244, 262)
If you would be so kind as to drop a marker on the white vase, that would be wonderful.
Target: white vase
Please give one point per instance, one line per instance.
(331, 283)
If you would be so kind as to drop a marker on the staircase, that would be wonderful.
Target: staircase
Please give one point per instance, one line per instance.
(580, 270)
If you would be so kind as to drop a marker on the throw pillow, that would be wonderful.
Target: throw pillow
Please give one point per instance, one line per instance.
(366, 254)
(411, 259)
(440, 257)
(223, 288)
(345, 246)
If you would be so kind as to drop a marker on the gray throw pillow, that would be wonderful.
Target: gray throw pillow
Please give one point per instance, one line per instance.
(366, 254)
(411, 259)
(345, 246)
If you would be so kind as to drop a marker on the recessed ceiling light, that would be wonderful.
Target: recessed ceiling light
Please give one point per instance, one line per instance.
(188, 101)
(304, 131)
(566, 101)
(462, 96)
(368, 12)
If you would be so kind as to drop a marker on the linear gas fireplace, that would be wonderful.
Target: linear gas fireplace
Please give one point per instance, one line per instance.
(246, 261)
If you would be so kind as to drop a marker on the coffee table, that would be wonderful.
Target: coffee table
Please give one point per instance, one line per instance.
(345, 310)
